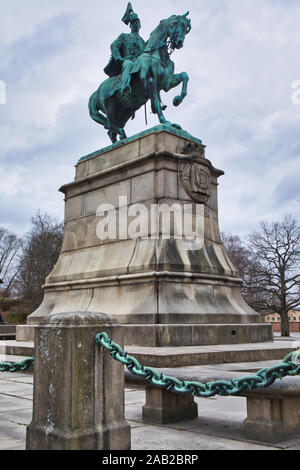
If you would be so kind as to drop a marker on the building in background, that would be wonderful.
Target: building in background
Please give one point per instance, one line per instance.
(294, 316)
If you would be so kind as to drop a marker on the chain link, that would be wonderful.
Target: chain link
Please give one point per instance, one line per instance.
(16, 366)
(290, 366)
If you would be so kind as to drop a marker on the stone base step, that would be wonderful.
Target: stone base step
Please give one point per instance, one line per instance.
(7, 336)
(206, 355)
(12, 358)
(17, 348)
(186, 355)
(178, 335)
(194, 334)
(7, 332)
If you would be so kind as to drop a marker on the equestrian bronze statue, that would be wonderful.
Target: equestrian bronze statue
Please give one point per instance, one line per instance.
(138, 71)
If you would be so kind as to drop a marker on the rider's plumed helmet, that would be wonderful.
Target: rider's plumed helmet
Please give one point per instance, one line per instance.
(130, 15)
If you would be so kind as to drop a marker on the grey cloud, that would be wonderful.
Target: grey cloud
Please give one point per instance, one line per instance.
(241, 57)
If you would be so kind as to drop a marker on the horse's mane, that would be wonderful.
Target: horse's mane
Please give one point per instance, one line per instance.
(162, 23)
(161, 26)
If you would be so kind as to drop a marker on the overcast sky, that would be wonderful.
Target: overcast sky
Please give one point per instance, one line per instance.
(242, 57)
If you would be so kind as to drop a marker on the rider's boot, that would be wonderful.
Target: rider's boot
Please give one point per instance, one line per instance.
(126, 87)
(126, 77)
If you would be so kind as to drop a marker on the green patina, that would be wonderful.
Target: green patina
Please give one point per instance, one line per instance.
(290, 366)
(153, 130)
(138, 71)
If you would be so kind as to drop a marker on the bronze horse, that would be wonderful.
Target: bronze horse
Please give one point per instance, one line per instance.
(152, 72)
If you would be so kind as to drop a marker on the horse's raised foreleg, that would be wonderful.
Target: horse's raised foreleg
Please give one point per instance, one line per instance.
(175, 80)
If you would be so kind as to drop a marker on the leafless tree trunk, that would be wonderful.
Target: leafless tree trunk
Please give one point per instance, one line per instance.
(10, 246)
(40, 252)
(243, 260)
(276, 250)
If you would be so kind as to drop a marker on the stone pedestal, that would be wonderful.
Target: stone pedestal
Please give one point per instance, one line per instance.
(166, 289)
(78, 401)
(272, 419)
(163, 407)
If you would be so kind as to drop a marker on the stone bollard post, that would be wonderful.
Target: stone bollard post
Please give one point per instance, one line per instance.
(78, 399)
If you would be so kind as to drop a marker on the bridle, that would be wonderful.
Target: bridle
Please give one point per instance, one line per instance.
(168, 43)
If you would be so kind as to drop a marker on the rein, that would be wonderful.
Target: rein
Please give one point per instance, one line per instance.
(166, 44)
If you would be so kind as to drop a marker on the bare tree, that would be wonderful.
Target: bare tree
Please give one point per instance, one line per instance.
(238, 253)
(244, 261)
(276, 251)
(10, 246)
(40, 252)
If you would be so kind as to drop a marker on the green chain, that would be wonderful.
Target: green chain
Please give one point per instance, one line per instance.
(16, 366)
(263, 378)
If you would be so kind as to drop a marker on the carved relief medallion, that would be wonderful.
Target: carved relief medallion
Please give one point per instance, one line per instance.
(196, 181)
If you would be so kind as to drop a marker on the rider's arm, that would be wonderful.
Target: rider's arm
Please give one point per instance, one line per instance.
(116, 48)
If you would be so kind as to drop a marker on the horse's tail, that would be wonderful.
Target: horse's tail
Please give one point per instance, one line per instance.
(94, 110)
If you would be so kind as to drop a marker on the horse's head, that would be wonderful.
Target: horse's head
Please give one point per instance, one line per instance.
(180, 26)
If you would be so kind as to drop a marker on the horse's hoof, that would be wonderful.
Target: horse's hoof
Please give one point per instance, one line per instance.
(123, 136)
(177, 101)
(112, 136)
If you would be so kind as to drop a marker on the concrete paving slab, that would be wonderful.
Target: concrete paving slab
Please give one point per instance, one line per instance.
(219, 416)
(16, 389)
(134, 424)
(294, 336)
(22, 417)
(136, 396)
(8, 403)
(18, 378)
(218, 427)
(232, 408)
(9, 430)
(134, 412)
(12, 444)
(165, 438)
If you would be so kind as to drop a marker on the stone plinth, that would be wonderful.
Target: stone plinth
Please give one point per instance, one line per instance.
(78, 401)
(166, 290)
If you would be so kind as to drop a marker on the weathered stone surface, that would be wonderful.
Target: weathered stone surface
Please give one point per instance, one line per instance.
(24, 333)
(162, 407)
(193, 335)
(7, 332)
(219, 426)
(272, 419)
(149, 280)
(273, 413)
(78, 387)
(203, 355)
(183, 356)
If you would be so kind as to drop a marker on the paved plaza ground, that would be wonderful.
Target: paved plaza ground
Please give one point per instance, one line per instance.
(218, 427)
